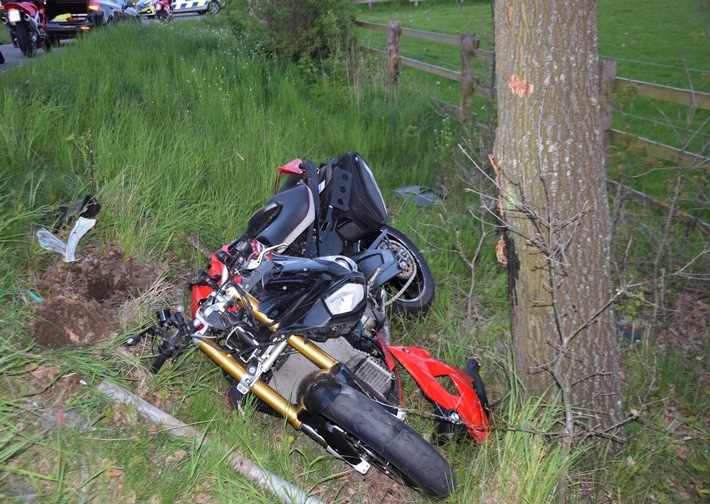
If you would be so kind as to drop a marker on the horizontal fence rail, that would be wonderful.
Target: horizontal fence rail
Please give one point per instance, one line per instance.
(469, 86)
(663, 93)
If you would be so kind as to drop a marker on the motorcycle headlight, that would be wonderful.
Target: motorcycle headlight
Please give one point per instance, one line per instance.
(345, 299)
(13, 15)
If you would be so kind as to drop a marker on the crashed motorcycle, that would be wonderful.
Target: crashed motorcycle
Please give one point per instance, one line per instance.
(337, 208)
(27, 22)
(296, 334)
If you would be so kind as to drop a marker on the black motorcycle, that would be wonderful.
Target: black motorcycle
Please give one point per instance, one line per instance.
(290, 331)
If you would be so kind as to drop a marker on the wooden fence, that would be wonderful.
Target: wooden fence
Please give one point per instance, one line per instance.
(609, 82)
(370, 2)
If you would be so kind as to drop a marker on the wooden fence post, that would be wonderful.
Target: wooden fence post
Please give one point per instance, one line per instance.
(468, 83)
(394, 31)
(607, 74)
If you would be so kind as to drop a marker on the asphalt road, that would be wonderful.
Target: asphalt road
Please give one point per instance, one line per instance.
(14, 57)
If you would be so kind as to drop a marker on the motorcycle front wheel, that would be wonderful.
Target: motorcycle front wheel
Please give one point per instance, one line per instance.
(418, 295)
(389, 444)
(24, 40)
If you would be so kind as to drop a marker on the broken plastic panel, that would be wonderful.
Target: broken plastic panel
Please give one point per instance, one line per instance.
(81, 227)
(50, 242)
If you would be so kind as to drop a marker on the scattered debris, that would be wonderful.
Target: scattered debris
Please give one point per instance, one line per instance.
(34, 296)
(277, 486)
(50, 242)
(421, 195)
(87, 207)
(58, 419)
(81, 227)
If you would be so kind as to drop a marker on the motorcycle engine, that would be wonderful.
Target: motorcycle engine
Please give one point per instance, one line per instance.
(295, 368)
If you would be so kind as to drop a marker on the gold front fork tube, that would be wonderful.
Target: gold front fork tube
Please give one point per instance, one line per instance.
(260, 389)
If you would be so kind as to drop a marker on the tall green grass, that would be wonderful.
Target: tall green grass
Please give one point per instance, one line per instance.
(178, 130)
(191, 143)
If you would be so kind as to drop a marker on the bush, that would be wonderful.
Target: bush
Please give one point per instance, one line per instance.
(297, 30)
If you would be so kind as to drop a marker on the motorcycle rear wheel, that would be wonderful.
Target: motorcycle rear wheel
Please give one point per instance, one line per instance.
(24, 41)
(418, 297)
(389, 444)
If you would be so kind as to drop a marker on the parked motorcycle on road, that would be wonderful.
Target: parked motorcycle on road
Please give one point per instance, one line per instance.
(163, 10)
(27, 22)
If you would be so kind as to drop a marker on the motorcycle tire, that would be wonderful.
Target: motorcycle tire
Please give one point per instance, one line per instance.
(419, 295)
(389, 444)
(24, 41)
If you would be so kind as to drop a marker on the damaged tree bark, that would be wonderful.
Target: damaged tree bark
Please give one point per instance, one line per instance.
(550, 169)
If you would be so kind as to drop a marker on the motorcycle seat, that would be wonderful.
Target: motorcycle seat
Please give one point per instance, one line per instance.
(296, 215)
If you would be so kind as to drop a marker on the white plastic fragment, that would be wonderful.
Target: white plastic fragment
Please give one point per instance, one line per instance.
(81, 227)
(50, 242)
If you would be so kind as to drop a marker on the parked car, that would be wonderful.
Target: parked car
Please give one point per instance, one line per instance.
(145, 7)
(198, 6)
(67, 18)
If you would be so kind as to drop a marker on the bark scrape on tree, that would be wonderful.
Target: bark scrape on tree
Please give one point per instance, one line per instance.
(520, 86)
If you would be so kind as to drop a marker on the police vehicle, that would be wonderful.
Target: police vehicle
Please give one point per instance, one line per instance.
(199, 6)
(145, 7)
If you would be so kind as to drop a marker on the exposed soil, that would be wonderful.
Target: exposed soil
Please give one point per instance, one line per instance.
(81, 298)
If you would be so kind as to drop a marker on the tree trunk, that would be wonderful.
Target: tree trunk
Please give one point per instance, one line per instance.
(550, 164)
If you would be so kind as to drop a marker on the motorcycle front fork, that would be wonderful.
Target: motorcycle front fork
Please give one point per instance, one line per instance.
(261, 389)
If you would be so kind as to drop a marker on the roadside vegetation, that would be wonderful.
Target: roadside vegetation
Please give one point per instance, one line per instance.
(177, 130)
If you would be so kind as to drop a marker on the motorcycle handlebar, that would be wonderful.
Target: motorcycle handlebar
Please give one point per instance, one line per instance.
(158, 363)
(172, 330)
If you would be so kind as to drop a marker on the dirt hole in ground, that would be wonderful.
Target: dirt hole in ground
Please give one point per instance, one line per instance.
(83, 300)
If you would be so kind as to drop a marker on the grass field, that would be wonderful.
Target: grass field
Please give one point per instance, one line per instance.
(652, 41)
(177, 130)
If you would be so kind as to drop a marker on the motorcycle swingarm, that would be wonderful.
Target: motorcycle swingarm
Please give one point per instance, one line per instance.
(428, 372)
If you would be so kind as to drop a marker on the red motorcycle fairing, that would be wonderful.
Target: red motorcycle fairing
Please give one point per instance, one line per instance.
(26, 7)
(425, 370)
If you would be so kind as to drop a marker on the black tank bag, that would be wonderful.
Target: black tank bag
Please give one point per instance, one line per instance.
(354, 203)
